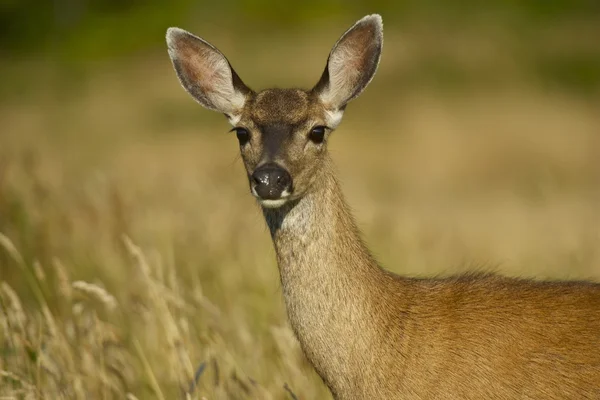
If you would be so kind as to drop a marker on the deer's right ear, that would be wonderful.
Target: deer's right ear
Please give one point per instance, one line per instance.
(352, 63)
(206, 74)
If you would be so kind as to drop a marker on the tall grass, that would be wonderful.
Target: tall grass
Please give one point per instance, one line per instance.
(132, 257)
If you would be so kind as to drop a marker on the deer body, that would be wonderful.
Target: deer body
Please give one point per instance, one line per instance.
(368, 333)
(373, 335)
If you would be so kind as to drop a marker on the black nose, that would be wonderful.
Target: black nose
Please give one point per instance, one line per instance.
(270, 180)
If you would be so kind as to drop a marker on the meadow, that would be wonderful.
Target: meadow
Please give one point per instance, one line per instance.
(132, 255)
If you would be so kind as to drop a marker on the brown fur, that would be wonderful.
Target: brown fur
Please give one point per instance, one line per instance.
(374, 335)
(371, 334)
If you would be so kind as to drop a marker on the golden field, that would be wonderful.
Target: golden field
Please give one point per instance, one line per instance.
(131, 251)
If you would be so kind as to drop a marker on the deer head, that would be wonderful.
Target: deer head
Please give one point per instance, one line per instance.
(282, 133)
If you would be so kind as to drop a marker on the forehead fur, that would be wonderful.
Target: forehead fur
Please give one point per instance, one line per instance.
(287, 106)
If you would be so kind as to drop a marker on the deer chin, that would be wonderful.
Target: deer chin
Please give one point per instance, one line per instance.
(272, 203)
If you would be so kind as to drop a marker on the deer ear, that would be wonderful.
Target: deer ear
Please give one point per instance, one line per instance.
(206, 74)
(352, 63)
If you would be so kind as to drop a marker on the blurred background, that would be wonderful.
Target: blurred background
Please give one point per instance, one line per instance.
(131, 253)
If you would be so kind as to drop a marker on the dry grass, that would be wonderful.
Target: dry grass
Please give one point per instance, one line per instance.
(131, 252)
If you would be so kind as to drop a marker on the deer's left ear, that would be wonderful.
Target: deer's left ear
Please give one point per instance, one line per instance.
(206, 74)
(352, 63)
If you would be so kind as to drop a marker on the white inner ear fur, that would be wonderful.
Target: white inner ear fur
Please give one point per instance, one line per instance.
(333, 118)
(206, 70)
(217, 83)
(351, 60)
(343, 74)
(234, 119)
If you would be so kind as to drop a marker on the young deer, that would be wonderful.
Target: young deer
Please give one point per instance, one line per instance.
(371, 334)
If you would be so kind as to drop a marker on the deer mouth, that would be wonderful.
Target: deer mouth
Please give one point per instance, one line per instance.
(284, 197)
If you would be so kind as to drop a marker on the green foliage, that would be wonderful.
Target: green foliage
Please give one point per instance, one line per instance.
(78, 33)
(579, 72)
(119, 26)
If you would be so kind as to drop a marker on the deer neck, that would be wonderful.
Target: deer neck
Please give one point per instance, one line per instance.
(327, 276)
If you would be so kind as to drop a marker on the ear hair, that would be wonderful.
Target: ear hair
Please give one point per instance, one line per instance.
(206, 74)
(352, 63)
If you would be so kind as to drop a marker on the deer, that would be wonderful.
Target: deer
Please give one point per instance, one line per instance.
(370, 333)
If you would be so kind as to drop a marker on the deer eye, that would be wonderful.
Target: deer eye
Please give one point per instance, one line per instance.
(242, 134)
(317, 134)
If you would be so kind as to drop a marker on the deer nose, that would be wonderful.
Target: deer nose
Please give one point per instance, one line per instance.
(270, 181)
